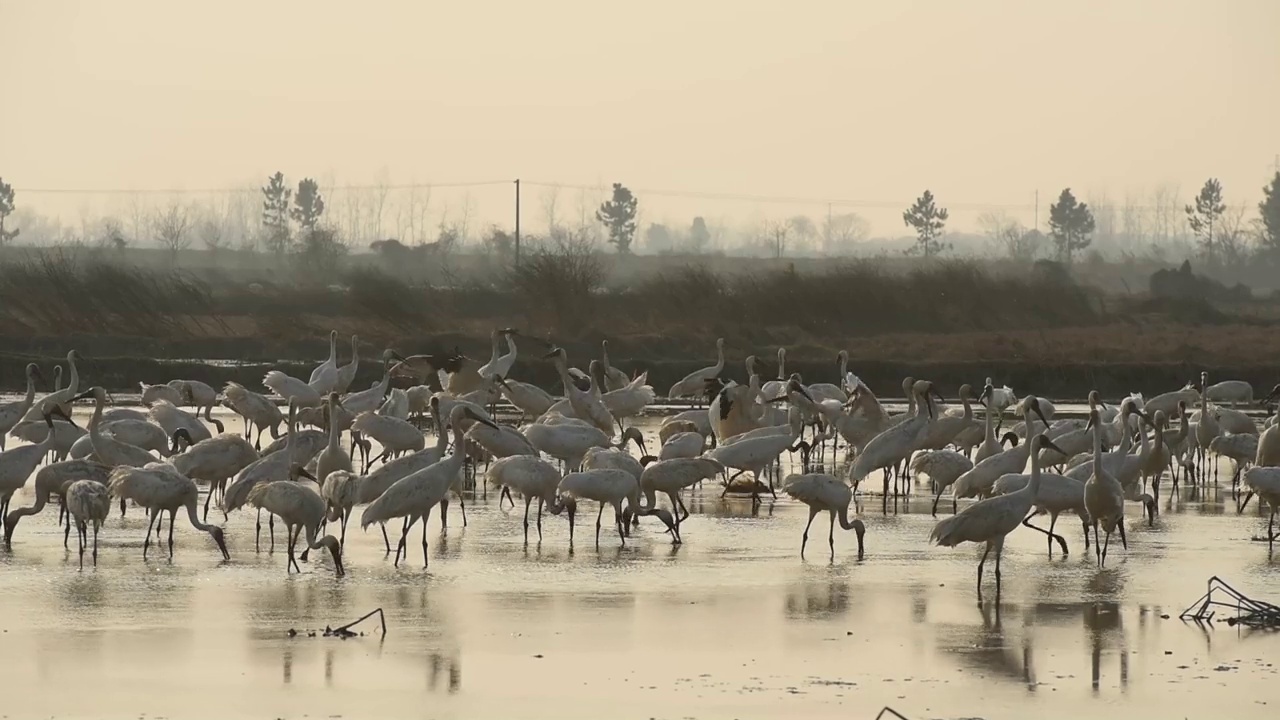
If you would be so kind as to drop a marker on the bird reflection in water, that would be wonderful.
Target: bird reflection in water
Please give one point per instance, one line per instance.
(988, 648)
(439, 664)
(1103, 622)
(815, 600)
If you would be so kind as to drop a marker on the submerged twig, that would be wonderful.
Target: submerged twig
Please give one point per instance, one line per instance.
(345, 630)
(1254, 613)
(887, 709)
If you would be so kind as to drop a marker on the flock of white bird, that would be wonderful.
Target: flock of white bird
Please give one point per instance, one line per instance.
(564, 450)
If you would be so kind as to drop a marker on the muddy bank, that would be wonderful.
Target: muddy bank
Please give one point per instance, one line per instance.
(119, 364)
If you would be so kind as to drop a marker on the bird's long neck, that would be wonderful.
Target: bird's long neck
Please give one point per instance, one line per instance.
(968, 408)
(96, 419)
(511, 350)
(493, 349)
(73, 384)
(649, 501)
(1034, 484)
(335, 433)
(719, 358)
(782, 364)
(355, 352)
(333, 349)
(442, 439)
(1097, 448)
(31, 393)
(1146, 446)
(844, 368)
(459, 447)
(990, 426)
(845, 522)
(194, 516)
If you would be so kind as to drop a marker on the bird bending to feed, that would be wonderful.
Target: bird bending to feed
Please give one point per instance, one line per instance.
(159, 487)
(301, 508)
(821, 491)
(1265, 482)
(693, 384)
(990, 521)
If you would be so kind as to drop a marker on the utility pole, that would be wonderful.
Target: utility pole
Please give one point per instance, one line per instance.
(517, 222)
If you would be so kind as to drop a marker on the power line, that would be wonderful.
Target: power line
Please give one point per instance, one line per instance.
(251, 190)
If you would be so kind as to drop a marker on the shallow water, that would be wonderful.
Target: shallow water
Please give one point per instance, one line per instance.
(731, 624)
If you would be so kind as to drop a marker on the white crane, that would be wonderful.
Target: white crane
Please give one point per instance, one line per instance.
(333, 456)
(341, 492)
(1206, 429)
(1265, 482)
(17, 464)
(397, 437)
(60, 396)
(1242, 448)
(347, 373)
(999, 398)
(629, 400)
(614, 379)
(943, 430)
(324, 379)
(820, 492)
(990, 521)
(500, 441)
(943, 468)
(688, 444)
(109, 451)
(1058, 494)
(1230, 391)
(159, 487)
(500, 365)
(1168, 402)
(396, 405)
(896, 444)
(531, 400)
(155, 393)
(531, 477)
(413, 496)
(1103, 497)
(139, 433)
(587, 404)
(200, 396)
(54, 479)
(11, 413)
(832, 391)
(979, 481)
(302, 510)
(371, 399)
(672, 476)
(171, 417)
(695, 383)
(569, 442)
(257, 410)
(607, 486)
(754, 455)
(292, 389)
(990, 443)
(88, 502)
(774, 388)
(214, 461)
(271, 467)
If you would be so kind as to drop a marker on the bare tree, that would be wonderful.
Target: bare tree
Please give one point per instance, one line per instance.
(172, 227)
(1133, 222)
(378, 203)
(844, 230)
(1231, 236)
(212, 235)
(550, 196)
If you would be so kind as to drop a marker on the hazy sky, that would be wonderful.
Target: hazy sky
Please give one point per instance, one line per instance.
(983, 101)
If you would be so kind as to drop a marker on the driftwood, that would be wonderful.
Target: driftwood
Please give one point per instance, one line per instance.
(345, 631)
(1249, 612)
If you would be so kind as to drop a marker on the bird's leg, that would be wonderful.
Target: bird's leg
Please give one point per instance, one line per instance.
(999, 554)
(729, 482)
(95, 544)
(1086, 533)
(528, 499)
(342, 541)
(1123, 541)
(981, 563)
(1051, 537)
(1097, 546)
(291, 563)
(462, 503)
(385, 540)
(146, 544)
(831, 536)
(122, 508)
(207, 498)
(444, 514)
(598, 516)
(541, 501)
(804, 539)
(271, 529)
(425, 518)
(618, 523)
(936, 498)
(172, 514)
(80, 540)
(66, 534)
(1105, 544)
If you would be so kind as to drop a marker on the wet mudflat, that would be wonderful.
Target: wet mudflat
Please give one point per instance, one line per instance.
(731, 624)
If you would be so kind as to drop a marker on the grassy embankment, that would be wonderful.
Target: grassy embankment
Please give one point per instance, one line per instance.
(1032, 327)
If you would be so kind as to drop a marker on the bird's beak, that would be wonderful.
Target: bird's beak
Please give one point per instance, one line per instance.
(1045, 442)
(1040, 412)
(337, 559)
(303, 472)
(796, 387)
(1089, 425)
(84, 395)
(474, 416)
(222, 546)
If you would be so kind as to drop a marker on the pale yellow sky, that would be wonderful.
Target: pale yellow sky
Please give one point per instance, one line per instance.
(982, 101)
